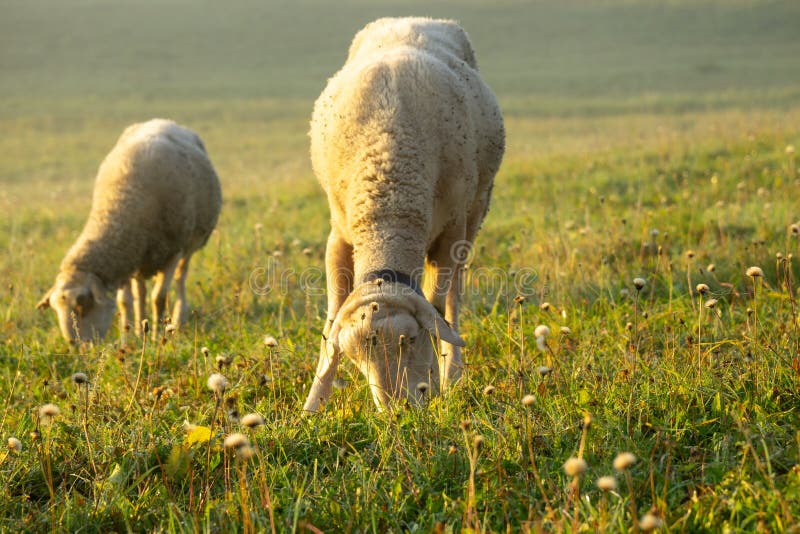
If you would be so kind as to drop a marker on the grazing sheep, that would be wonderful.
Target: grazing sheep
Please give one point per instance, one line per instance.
(405, 140)
(156, 201)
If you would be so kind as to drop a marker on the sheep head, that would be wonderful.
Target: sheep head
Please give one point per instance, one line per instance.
(390, 332)
(83, 308)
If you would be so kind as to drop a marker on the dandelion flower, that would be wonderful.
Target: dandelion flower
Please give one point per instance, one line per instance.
(754, 272)
(217, 383)
(544, 370)
(528, 400)
(575, 467)
(710, 303)
(650, 522)
(639, 283)
(702, 289)
(488, 390)
(14, 445)
(270, 341)
(80, 378)
(236, 441)
(607, 483)
(252, 420)
(624, 461)
(48, 411)
(541, 331)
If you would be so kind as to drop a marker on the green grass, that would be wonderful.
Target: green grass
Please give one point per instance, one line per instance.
(622, 116)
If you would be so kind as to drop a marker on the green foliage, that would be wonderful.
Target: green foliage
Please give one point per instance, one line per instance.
(623, 118)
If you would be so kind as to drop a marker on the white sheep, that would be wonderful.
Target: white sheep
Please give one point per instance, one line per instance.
(405, 140)
(156, 201)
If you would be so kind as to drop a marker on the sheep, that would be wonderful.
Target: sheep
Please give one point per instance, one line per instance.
(405, 141)
(156, 201)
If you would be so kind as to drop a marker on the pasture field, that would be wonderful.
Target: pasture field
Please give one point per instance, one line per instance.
(646, 139)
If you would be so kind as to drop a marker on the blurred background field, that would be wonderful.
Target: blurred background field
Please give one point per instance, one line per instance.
(622, 117)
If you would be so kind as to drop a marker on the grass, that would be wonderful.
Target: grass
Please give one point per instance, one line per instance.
(623, 118)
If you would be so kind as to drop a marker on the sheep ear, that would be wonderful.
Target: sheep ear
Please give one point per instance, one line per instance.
(45, 302)
(430, 319)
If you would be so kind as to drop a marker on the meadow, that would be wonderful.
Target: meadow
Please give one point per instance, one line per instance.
(648, 141)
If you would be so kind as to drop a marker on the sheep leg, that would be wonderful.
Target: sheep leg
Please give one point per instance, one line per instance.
(139, 291)
(125, 306)
(180, 312)
(163, 279)
(442, 289)
(339, 271)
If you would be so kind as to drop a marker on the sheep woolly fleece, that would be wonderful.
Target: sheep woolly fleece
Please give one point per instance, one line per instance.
(405, 140)
(156, 200)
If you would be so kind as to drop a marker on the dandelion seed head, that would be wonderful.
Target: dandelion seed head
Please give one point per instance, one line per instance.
(789, 150)
(565, 330)
(624, 292)
(710, 303)
(689, 254)
(488, 390)
(528, 400)
(544, 370)
(541, 343)
(711, 268)
(465, 424)
(217, 383)
(702, 289)
(754, 272)
(575, 467)
(650, 522)
(170, 328)
(624, 461)
(252, 420)
(795, 228)
(422, 387)
(245, 453)
(544, 306)
(607, 483)
(639, 283)
(80, 378)
(654, 233)
(270, 341)
(205, 351)
(14, 445)
(236, 441)
(478, 441)
(542, 331)
(48, 411)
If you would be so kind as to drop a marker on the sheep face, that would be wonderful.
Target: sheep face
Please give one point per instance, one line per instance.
(393, 352)
(84, 310)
